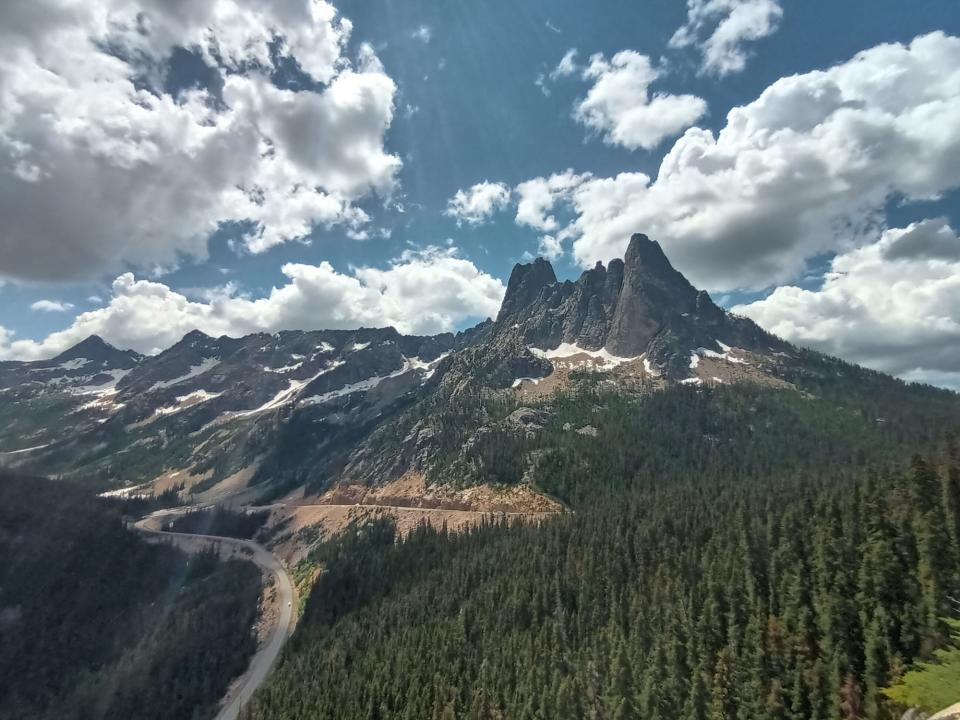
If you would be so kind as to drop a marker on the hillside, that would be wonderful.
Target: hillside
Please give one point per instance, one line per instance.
(95, 623)
(701, 577)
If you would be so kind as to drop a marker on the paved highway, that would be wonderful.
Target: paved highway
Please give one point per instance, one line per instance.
(269, 652)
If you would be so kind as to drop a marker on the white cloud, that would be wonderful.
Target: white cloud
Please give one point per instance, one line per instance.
(422, 33)
(100, 167)
(475, 205)
(721, 28)
(806, 168)
(539, 195)
(619, 105)
(567, 65)
(426, 291)
(550, 247)
(541, 82)
(893, 305)
(51, 306)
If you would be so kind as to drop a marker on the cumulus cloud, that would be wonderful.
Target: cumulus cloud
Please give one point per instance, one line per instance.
(806, 168)
(100, 166)
(620, 108)
(537, 197)
(721, 28)
(475, 205)
(893, 305)
(426, 291)
(550, 247)
(51, 306)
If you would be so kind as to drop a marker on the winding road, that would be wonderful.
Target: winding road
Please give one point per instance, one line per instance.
(269, 652)
(948, 714)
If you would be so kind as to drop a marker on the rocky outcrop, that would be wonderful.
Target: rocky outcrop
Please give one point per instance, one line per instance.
(524, 286)
(640, 305)
(99, 353)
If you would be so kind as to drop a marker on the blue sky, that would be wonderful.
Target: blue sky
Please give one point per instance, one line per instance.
(467, 109)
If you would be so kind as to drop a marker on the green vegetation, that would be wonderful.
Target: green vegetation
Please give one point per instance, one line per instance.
(136, 506)
(739, 553)
(933, 685)
(219, 521)
(304, 576)
(96, 623)
(735, 433)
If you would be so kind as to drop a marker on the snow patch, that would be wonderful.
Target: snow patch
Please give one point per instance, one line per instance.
(284, 369)
(187, 401)
(107, 388)
(725, 355)
(359, 346)
(195, 370)
(429, 367)
(691, 381)
(360, 386)
(694, 361)
(24, 450)
(521, 380)
(650, 369)
(285, 396)
(74, 364)
(565, 350)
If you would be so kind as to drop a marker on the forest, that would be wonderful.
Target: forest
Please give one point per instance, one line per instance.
(96, 623)
(740, 554)
(219, 521)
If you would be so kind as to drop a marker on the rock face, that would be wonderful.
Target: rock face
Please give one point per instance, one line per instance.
(635, 306)
(525, 284)
(653, 296)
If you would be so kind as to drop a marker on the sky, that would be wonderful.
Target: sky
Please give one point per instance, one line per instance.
(239, 166)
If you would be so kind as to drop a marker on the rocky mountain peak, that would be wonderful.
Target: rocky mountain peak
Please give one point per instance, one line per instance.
(630, 307)
(526, 282)
(652, 292)
(99, 351)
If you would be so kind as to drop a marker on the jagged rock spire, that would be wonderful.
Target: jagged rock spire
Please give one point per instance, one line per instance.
(526, 282)
(652, 291)
(637, 305)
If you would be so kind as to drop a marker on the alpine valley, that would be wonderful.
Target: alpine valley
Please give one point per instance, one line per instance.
(615, 500)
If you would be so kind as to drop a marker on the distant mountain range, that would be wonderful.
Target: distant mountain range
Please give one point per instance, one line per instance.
(319, 408)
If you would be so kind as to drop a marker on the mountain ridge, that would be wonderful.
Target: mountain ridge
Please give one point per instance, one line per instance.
(318, 408)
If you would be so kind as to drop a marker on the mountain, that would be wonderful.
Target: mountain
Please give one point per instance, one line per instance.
(640, 306)
(673, 513)
(370, 406)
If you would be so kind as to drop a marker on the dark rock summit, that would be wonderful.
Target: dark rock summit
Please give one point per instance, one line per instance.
(637, 305)
(525, 284)
(653, 296)
(99, 353)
